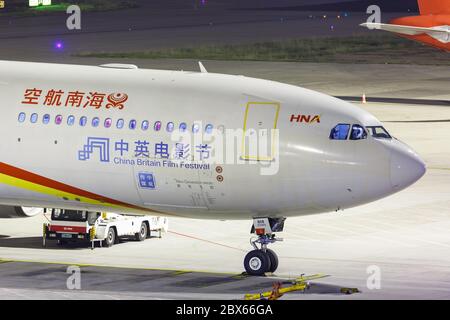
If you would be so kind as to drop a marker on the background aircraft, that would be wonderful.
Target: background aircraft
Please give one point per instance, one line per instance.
(431, 27)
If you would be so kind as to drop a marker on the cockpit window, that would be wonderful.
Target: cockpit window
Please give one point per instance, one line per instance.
(379, 132)
(358, 133)
(340, 132)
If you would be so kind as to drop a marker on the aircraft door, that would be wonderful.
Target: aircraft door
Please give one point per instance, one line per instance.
(260, 121)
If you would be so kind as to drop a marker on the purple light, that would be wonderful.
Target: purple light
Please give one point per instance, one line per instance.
(59, 45)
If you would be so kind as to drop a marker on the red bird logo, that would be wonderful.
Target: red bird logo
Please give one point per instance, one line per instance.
(117, 100)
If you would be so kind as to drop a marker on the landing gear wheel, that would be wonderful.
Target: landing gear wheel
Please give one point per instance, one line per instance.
(142, 235)
(257, 263)
(273, 260)
(110, 238)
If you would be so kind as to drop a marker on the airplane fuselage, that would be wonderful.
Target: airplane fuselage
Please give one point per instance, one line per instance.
(101, 139)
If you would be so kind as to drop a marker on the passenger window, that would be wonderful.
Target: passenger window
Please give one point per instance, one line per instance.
(157, 126)
(145, 125)
(358, 133)
(46, 119)
(169, 127)
(108, 123)
(209, 128)
(132, 124)
(120, 123)
(22, 117)
(340, 132)
(70, 120)
(183, 127)
(95, 122)
(195, 128)
(83, 121)
(34, 118)
(58, 119)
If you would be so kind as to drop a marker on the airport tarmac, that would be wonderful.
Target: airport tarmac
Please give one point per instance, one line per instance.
(404, 236)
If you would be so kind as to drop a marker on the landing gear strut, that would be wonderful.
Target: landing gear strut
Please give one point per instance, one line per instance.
(262, 260)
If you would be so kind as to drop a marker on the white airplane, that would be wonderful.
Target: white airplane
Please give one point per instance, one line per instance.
(100, 139)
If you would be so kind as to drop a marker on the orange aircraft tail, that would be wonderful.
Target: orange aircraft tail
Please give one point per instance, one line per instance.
(427, 7)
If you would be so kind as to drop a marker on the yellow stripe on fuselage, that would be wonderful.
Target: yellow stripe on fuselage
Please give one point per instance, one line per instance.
(23, 184)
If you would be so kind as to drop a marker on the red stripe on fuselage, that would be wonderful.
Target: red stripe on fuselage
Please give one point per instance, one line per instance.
(43, 181)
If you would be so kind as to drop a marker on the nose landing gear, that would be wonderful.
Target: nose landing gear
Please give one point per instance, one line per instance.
(262, 260)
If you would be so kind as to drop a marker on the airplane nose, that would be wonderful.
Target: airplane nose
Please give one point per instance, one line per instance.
(406, 167)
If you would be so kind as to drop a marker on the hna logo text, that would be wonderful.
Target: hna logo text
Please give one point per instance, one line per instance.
(303, 118)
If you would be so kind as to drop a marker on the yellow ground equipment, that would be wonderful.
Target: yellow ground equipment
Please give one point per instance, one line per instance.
(299, 284)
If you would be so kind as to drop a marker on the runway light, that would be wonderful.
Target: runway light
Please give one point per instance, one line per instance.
(59, 45)
(35, 3)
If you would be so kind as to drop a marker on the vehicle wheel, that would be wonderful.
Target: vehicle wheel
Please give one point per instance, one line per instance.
(273, 260)
(110, 238)
(142, 235)
(257, 262)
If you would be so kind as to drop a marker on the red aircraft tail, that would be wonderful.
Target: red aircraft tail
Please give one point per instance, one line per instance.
(434, 7)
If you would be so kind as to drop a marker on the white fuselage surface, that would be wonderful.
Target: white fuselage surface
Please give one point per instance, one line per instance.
(101, 138)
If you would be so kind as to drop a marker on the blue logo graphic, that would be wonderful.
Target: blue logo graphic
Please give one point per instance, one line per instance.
(101, 144)
(146, 180)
